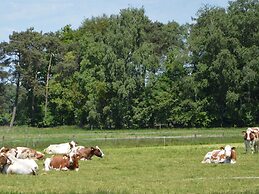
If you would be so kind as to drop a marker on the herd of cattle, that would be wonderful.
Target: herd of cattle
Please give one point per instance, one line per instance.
(22, 160)
(228, 154)
(65, 156)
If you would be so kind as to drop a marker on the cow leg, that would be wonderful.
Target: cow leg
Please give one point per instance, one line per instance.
(47, 164)
(64, 168)
(256, 147)
(248, 146)
(252, 144)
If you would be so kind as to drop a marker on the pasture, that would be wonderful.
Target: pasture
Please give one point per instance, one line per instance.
(138, 161)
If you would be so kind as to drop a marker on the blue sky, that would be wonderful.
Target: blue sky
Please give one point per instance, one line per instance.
(52, 15)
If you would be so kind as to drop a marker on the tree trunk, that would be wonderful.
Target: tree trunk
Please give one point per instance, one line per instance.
(33, 101)
(16, 100)
(47, 88)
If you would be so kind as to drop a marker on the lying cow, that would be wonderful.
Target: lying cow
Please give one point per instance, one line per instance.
(62, 162)
(23, 152)
(63, 148)
(251, 139)
(19, 166)
(86, 153)
(226, 154)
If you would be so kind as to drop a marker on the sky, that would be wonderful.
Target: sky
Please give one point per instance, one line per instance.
(52, 15)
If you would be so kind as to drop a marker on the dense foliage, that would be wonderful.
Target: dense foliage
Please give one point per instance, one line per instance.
(125, 71)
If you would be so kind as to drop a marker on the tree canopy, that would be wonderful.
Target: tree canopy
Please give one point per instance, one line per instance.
(126, 71)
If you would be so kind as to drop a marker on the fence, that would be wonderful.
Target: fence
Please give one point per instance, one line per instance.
(40, 141)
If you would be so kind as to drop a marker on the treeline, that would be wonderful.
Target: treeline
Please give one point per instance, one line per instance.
(125, 71)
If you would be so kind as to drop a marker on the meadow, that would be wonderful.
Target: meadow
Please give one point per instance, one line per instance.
(137, 161)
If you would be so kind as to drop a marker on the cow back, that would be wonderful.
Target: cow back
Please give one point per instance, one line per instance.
(87, 153)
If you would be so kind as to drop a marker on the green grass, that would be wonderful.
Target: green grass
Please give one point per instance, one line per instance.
(138, 166)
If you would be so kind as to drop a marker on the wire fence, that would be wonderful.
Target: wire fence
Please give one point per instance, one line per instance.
(41, 141)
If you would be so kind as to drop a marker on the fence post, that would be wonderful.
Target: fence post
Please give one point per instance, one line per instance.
(164, 142)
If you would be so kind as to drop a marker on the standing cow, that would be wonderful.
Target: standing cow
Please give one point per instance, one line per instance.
(251, 139)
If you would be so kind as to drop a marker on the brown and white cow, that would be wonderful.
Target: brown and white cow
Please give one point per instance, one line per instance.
(62, 162)
(23, 152)
(251, 139)
(12, 165)
(226, 154)
(86, 153)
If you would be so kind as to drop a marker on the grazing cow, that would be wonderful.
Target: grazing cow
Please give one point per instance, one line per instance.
(59, 162)
(86, 153)
(226, 154)
(20, 166)
(251, 139)
(63, 148)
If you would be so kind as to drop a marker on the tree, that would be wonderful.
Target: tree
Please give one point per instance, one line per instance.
(222, 44)
(4, 89)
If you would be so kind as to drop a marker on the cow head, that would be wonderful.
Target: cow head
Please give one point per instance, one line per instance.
(73, 161)
(4, 150)
(230, 154)
(72, 144)
(97, 151)
(249, 134)
(4, 160)
(39, 155)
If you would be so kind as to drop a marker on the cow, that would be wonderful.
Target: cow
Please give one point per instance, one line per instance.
(63, 148)
(251, 139)
(86, 153)
(23, 152)
(226, 154)
(62, 162)
(20, 166)
(4, 160)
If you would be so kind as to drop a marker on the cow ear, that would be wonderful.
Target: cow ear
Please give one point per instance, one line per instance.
(233, 148)
(243, 131)
(92, 148)
(222, 148)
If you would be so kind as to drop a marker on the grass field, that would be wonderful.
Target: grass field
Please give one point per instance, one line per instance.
(135, 165)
